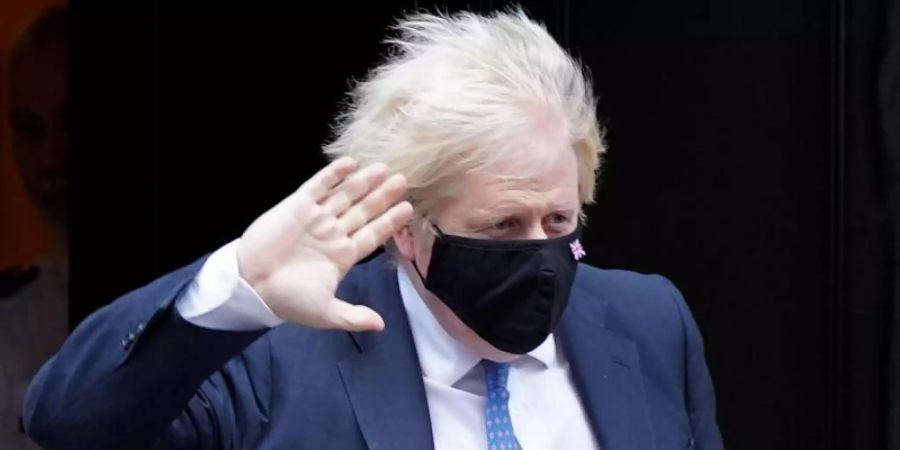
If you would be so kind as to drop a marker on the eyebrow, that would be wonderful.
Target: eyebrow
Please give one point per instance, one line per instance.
(509, 208)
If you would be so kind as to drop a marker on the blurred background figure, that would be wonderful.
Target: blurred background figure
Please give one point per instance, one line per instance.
(33, 306)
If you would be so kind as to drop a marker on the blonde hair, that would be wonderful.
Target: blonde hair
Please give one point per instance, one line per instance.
(452, 93)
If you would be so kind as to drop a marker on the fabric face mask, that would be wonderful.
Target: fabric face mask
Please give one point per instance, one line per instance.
(511, 293)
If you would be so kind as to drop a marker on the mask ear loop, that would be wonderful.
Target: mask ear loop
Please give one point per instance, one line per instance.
(415, 264)
(418, 272)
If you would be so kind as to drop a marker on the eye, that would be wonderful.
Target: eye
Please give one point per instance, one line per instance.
(27, 125)
(558, 223)
(503, 225)
(559, 219)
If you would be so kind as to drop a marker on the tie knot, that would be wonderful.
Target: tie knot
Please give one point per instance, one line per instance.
(495, 374)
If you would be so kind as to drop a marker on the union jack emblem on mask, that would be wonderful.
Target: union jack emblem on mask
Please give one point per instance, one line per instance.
(577, 250)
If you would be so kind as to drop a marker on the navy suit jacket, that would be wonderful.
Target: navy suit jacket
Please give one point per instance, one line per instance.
(135, 375)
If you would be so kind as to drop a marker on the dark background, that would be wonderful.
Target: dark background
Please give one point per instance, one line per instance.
(745, 165)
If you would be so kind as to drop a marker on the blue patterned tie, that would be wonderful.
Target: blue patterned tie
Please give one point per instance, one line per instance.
(500, 434)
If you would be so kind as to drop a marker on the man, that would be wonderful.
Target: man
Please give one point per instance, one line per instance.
(34, 319)
(470, 152)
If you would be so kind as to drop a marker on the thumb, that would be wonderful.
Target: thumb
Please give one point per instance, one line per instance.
(345, 316)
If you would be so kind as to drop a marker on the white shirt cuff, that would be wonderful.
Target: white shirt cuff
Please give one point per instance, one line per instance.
(218, 298)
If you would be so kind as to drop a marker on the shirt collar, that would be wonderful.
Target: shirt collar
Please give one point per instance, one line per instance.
(443, 358)
(546, 352)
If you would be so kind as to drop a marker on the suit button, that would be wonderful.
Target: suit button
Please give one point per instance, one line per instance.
(128, 340)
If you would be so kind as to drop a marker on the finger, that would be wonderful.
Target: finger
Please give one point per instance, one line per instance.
(376, 232)
(317, 186)
(354, 187)
(345, 316)
(374, 203)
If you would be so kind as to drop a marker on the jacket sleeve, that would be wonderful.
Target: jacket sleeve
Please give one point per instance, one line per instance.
(136, 375)
(699, 393)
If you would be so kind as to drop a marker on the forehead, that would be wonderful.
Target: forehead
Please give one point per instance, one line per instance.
(526, 171)
(532, 178)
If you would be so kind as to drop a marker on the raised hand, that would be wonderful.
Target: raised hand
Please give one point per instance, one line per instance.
(296, 253)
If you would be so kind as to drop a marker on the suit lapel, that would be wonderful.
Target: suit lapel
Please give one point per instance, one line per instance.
(606, 371)
(384, 381)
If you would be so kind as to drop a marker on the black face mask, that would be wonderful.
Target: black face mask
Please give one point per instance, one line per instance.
(511, 293)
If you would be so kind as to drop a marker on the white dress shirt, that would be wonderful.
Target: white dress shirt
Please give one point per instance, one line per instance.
(544, 406)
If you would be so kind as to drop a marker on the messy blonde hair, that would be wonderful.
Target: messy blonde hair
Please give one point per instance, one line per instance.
(452, 93)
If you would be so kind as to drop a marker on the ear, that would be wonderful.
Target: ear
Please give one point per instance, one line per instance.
(403, 240)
